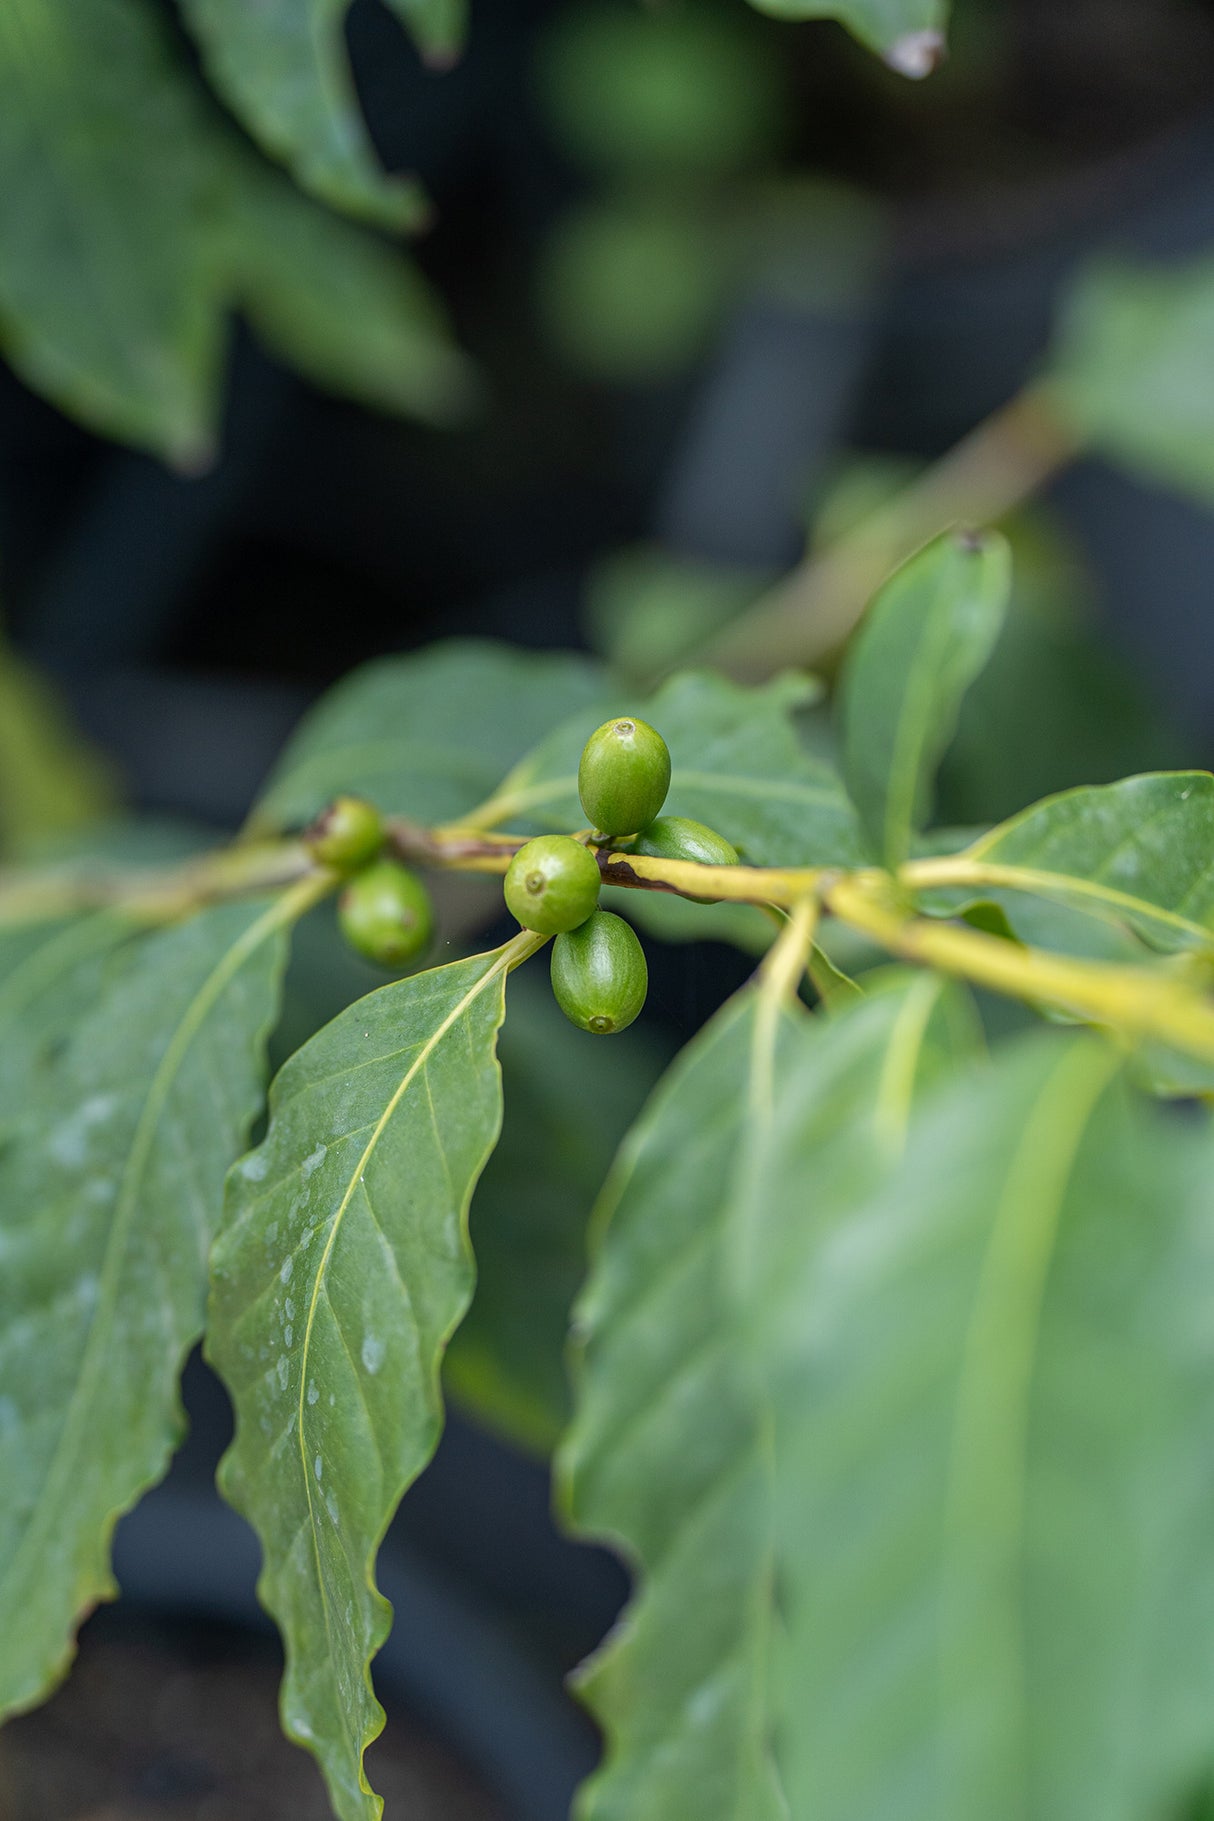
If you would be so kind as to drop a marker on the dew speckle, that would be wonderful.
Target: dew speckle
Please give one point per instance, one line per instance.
(70, 1144)
(318, 1466)
(284, 1369)
(288, 1304)
(288, 1265)
(313, 1393)
(254, 1167)
(311, 1164)
(288, 1334)
(372, 1353)
(331, 1508)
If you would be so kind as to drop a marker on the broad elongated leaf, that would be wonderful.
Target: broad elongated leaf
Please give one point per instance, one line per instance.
(110, 1190)
(924, 640)
(909, 33)
(353, 314)
(668, 1454)
(343, 1267)
(282, 67)
(569, 1102)
(1136, 855)
(1133, 369)
(107, 286)
(992, 1390)
(429, 736)
(737, 765)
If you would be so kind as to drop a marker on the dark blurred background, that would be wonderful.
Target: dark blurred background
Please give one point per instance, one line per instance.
(722, 277)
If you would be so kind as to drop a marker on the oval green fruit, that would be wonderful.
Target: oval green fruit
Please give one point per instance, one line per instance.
(599, 975)
(552, 884)
(681, 838)
(623, 776)
(386, 914)
(345, 835)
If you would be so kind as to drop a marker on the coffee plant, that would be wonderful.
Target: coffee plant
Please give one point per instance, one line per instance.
(893, 1374)
(893, 1361)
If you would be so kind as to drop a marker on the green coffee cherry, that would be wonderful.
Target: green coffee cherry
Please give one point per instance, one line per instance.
(345, 835)
(552, 884)
(624, 776)
(599, 974)
(386, 914)
(679, 838)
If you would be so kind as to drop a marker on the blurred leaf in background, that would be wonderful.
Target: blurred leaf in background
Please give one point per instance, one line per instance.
(909, 33)
(638, 95)
(126, 246)
(1133, 368)
(52, 782)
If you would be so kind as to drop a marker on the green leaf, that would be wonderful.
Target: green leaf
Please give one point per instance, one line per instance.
(51, 781)
(737, 766)
(667, 1457)
(569, 1101)
(342, 1269)
(48, 972)
(352, 313)
(992, 1398)
(1133, 369)
(909, 33)
(428, 736)
(281, 66)
(925, 638)
(107, 285)
(438, 27)
(109, 1191)
(1136, 855)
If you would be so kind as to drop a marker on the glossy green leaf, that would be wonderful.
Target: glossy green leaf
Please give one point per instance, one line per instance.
(1133, 369)
(48, 972)
(110, 1191)
(281, 66)
(569, 1101)
(339, 304)
(428, 736)
(993, 1394)
(667, 1457)
(737, 766)
(924, 639)
(1136, 855)
(342, 1269)
(107, 279)
(909, 33)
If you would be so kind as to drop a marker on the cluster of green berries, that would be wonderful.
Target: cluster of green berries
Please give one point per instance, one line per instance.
(384, 911)
(599, 974)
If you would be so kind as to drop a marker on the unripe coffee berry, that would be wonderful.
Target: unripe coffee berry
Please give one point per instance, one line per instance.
(386, 914)
(552, 884)
(623, 776)
(599, 974)
(345, 835)
(679, 838)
